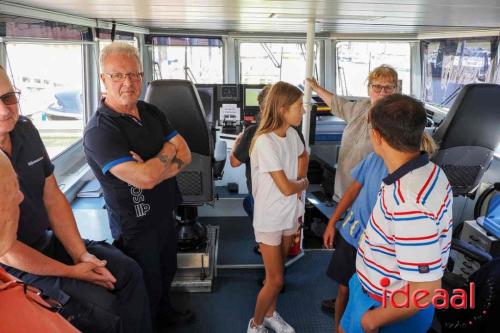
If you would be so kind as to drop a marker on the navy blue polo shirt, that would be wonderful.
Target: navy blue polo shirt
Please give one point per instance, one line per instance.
(108, 139)
(32, 165)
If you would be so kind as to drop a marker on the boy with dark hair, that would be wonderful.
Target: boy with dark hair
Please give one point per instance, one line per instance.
(407, 240)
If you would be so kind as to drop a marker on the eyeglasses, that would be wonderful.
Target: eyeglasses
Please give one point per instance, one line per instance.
(120, 77)
(387, 89)
(33, 294)
(10, 98)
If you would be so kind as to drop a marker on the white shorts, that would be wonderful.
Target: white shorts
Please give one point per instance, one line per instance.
(274, 238)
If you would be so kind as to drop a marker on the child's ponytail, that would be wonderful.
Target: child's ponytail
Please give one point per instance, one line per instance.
(428, 144)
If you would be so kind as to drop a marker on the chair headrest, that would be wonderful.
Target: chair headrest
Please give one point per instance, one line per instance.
(473, 119)
(179, 101)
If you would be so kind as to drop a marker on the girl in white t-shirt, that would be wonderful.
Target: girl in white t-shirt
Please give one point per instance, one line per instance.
(279, 166)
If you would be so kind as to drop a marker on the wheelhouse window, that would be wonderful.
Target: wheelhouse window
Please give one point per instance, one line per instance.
(270, 62)
(50, 78)
(199, 60)
(450, 64)
(356, 59)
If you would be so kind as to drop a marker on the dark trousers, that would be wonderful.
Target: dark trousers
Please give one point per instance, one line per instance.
(92, 308)
(155, 250)
(248, 204)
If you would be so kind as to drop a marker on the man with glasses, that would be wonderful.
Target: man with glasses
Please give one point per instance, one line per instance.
(135, 154)
(100, 288)
(354, 147)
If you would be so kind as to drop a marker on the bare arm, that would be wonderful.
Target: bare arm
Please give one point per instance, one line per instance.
(62, 220)
(324, 94)
(181, 159)
(372, 320)
(24, 258)
(172, 159)
(146, 175)
(288, 186)
(303, 164)
(345, 202)
(232, 159)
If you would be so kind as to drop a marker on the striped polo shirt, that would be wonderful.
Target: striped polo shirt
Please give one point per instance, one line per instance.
(408, 236)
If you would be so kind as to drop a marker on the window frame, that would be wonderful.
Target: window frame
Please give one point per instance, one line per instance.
(150, 46)
(494, 71)
(414, 60)
(319, 42)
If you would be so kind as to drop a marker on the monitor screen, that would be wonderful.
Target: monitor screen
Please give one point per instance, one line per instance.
(207, 99)
(228, 93)
(251, 97)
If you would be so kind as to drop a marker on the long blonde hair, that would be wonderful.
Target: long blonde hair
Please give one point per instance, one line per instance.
(280, 95)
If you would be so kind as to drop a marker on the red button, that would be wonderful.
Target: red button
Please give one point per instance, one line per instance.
(384, 282)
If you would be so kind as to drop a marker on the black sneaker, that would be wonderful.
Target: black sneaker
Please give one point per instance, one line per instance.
(328, 305)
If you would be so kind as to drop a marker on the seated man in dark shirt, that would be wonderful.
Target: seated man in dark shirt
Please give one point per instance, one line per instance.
(97, 295)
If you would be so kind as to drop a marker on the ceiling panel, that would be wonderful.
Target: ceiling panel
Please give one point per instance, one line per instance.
(375, 16)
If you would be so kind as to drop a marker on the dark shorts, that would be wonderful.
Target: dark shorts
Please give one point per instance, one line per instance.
(343, 263)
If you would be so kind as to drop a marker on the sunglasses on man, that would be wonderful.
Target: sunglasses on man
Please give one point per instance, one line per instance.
(10, 98)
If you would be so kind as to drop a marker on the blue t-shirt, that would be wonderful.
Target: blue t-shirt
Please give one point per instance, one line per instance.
(369, 173)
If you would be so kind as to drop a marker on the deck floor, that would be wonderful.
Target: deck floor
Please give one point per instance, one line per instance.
(230, 306)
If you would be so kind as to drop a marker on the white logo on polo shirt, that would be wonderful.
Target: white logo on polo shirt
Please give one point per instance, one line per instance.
(31, 163)
(141, 209)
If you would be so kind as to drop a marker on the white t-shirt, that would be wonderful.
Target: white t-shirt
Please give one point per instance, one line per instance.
(273, 211)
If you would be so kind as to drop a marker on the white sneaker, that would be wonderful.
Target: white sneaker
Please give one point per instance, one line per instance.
(256, 328)
(278, 324)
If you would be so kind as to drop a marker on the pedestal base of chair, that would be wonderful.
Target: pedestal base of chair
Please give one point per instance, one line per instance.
(197, 269)
(190, 233)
